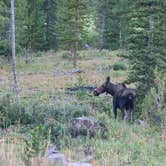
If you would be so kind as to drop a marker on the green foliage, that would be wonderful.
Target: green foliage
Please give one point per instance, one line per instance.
(71, 22)
(120, 66)
(112, 23)
(13, 113)
(33, 113)
(103, 105)
(38, 139)
(4, 47)
(154, 110)
(145, 52)
(67, 55)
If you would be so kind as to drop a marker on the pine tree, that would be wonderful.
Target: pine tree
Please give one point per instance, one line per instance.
(35, 25)
(50, 8)
(71, 22)
(4, 28)
(21, 25)
(111, 23)
(146, 40)
(102, 12)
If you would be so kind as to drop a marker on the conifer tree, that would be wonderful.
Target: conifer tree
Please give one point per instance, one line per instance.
(4, 28)
(35, 24)
(146, 40)
(72, 19)
(50, 8)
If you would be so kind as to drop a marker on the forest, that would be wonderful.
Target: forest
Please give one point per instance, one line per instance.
(57, 57)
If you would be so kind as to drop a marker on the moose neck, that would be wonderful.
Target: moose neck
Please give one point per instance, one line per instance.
(111, 89)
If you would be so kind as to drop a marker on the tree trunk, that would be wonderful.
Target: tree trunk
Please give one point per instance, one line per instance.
(13, 49)
(101, 39)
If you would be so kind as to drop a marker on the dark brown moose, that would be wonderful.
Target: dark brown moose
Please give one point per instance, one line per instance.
(123, 97)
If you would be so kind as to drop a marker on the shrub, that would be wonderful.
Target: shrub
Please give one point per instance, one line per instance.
(4, 47)
(154, 105)
(36, 113)
(67, 55)
(120, 66)
(14, 113)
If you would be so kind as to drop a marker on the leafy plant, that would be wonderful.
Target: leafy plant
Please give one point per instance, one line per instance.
(120, 66)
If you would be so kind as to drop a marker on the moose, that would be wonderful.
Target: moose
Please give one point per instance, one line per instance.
(123, 97)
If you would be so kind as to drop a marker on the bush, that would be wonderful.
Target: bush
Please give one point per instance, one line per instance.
(67, 55)
(154, 106)
(13, 113)
(120, 66)
(36, 113)
(4, 47)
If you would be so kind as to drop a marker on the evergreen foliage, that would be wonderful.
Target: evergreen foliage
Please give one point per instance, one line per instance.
(71, 22)
(145, 43)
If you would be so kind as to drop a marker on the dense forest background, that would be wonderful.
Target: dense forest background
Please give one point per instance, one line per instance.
(63, 49)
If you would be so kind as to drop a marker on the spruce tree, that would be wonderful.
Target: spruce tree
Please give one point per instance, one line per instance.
(71, 22)
(4, 28)
(111, 23)
(50, 8)
(146, 43)
(35, 25)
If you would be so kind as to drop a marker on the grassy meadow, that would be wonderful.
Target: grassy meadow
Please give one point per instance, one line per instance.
(41, 118)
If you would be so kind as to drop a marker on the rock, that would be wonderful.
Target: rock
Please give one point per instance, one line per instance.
(140, 122)
(55, 157)
(86, 126)
(52, 150)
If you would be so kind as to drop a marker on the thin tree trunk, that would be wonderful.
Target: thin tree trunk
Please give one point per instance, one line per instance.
(101, 39)
(13, 49)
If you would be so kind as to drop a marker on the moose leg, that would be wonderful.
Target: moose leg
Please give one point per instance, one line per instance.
(124, 114)
(115, 107)
(131, 116)
(115, 112)
(131, 110)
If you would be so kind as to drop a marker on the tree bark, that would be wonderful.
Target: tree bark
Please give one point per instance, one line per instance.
(13, 49)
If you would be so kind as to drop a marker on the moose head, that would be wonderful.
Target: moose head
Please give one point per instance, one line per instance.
(108, 87)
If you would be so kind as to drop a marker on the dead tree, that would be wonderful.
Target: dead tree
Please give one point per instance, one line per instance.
(13, 50)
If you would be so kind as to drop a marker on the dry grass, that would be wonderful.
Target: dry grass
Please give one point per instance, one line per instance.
(49, 72)
(11, 151)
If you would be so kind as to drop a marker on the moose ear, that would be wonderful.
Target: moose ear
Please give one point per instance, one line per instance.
(108, 79)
